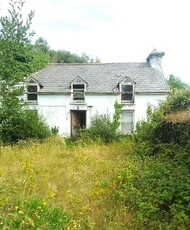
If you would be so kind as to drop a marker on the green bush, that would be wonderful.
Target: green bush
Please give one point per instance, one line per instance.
(33, 214)
(21, 125)
(158, 189)
(101, 129)
(156, 130)
(145, 129)
(179, 100)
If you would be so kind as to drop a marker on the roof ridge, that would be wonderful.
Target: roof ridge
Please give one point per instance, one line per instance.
(105, 63)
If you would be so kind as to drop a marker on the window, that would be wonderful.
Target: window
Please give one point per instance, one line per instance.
(32, 92)
(78, 92)
(127, 123)
(78, 88)
(127, 93)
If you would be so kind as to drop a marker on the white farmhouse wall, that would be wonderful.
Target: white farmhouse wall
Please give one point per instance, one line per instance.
(101, 104)
(55, 109)
(143, 101)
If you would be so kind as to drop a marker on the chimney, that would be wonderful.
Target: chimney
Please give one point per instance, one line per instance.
(155, 59)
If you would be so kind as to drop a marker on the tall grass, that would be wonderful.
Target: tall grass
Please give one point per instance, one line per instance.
(52, 186)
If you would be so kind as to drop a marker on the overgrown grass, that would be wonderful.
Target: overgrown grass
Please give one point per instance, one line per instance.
(52, 186)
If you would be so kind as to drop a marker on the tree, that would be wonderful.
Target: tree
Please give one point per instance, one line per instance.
(176, 83)
(15, 58)
(17, 61)
(63, 56)
(160, 128)
(42, 44)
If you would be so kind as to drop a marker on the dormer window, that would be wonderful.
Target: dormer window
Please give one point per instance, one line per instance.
(127, 91)
(78, 88)
(78, 92)
(31, 88)
(32, 93)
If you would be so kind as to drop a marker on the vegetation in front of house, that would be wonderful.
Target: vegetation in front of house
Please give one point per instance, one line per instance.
(51, 185)
(18, 59)
(103, 128)
(157, 186)
(157, 189)
(33, 214)
(19, 124)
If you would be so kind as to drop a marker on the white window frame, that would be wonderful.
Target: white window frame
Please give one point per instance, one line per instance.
(127, 92)
(27, 93)
(79, 91)
(125, 123)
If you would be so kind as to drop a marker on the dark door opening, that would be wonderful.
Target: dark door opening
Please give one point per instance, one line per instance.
(78, 121)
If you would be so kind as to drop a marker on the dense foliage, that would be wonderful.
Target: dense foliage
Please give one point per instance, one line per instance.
(158, 189)
(21, 125)
(63, 56)
(33, 214)
(18, 59)
(175, 83)
(157, 129)
(103, 128)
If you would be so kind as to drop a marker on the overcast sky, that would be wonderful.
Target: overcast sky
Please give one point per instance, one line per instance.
(116, 30)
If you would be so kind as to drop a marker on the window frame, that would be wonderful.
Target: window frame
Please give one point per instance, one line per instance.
(130, 123)
(127, 93)
(78, 91)
(34, 93)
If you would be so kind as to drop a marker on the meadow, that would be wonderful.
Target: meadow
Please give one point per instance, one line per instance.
(51, 185)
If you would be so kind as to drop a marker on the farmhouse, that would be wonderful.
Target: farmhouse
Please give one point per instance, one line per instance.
(69, 95)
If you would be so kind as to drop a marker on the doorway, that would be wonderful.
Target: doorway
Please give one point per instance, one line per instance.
(78, 121)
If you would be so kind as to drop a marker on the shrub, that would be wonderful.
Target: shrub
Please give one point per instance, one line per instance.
(33, 214)
(145, 129)
(102, 128)
(22, 125)
(156, 130)
(157, 189)
(179, 100)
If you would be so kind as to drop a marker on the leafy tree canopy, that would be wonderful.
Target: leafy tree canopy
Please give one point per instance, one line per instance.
(42, 44)
(63, 56)
(176, 83)
(18, 59)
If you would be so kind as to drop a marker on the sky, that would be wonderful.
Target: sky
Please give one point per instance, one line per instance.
(116, 30)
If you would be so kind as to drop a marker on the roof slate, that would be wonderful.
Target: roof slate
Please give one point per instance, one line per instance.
(101, 78)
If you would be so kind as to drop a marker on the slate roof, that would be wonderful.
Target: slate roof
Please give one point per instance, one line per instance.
(101, 78)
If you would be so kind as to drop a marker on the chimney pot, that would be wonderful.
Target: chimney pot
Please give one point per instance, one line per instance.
(155, 59)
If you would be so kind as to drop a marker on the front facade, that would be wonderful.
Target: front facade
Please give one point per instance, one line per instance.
(69, 95)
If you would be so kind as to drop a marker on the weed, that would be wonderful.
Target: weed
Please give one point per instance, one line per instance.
(42, 182)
